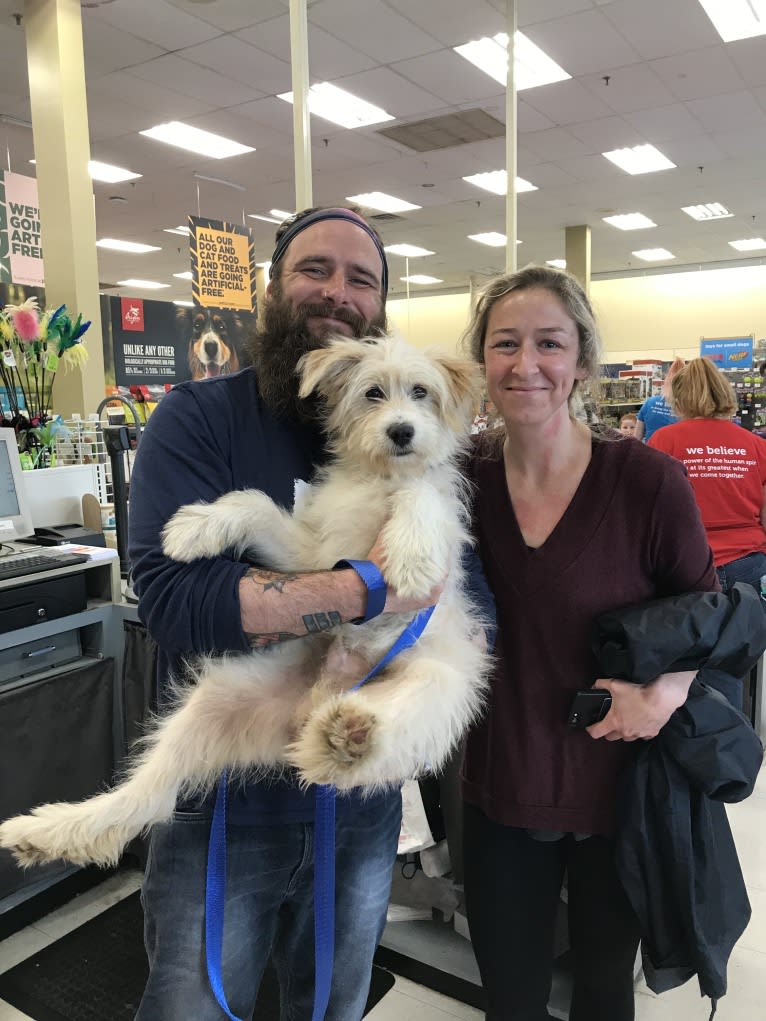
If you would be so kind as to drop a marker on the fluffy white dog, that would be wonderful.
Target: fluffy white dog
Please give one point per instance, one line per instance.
(396, 419)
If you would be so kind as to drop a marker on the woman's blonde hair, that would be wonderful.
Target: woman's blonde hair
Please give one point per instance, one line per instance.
(563, 286)
(675, 367)
(700, 390)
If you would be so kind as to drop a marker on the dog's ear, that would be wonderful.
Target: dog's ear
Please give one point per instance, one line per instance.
(325, 370)
(182, 318)
(463, 384)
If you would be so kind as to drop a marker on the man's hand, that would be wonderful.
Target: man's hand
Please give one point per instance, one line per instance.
(640, 711)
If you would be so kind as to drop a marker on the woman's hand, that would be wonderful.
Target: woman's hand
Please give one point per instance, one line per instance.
(640, 711)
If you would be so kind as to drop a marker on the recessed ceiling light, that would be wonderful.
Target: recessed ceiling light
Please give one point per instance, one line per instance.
(266, 219)
(421, 278)
(184, 276)
(654, 254)
(630, 221)
(410, 251)
(106, 172)
(205, 143)
(491, 238)
(558, 263)
(497, 181)
(641, 159)
(180, 229)
(532, 67)
(748, 244)
(341, 107)
(379, 200)
(707, 211)
(186, 304)
(109, 173)
(144, 285)
(737, 19)
(126, 246)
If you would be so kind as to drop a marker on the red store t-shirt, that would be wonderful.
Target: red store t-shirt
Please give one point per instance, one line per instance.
(726, 465)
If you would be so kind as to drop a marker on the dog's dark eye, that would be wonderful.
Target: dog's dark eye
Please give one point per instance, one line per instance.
(375, 394)
(418, 393)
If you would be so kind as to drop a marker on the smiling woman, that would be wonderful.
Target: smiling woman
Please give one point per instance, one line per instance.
(569, 523)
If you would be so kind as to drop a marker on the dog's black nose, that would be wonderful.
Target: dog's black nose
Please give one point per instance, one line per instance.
(401, 434)
(211, 348)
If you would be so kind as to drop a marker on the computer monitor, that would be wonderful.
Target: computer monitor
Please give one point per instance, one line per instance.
(15, 516)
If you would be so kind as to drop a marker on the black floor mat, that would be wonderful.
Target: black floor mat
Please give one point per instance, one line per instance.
(98, 971)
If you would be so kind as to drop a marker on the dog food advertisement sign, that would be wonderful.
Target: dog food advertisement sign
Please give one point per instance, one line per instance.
(222, 264)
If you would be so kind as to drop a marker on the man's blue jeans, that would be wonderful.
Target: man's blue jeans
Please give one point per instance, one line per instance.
(269, 911)
(749, 569)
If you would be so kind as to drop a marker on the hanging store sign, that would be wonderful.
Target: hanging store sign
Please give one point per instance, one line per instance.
(728, 352)
(222, 264)
(21, 253)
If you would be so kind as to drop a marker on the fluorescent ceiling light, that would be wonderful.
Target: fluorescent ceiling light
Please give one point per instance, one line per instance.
(186, 304)
(145, 285)
(180, 229)
(491, 238)
(266, 267)
(641, 159)
(281, 213)
(654, 254)
(266, 219)
(707, 211)
(497, 181)
(111, 174)
(558, 263)
(532, 67)
(184, 276)
(737, 19)
(205, 143)
(630, 221)
(410, 251)
(379, 200)
(341, 107)
(126, 246)
(748, 244)
(421, 278)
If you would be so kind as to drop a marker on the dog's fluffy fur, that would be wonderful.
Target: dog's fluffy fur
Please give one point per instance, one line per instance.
(396, 421)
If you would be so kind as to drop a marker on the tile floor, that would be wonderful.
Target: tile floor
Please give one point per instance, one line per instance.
(410, 1002)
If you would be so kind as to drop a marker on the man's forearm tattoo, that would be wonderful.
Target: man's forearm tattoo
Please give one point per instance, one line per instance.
(313, 622)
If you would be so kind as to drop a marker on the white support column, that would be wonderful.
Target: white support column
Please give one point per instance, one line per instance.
(299, 61)
(511, 228)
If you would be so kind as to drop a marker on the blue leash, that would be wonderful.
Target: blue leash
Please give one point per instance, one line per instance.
(324, 865)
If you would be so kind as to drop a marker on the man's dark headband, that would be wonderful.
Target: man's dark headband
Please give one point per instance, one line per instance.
(297, 226)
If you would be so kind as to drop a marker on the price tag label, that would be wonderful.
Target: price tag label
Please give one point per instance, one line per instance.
(51, 362)
(9, 359)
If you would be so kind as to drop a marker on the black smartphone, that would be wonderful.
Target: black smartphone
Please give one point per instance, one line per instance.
(589, 707)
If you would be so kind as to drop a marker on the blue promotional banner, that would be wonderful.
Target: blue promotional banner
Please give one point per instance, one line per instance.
(728, 352)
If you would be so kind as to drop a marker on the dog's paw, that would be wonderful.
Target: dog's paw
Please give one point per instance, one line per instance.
(56, 832)
(415, 576)
(334, 741)
(190, 535)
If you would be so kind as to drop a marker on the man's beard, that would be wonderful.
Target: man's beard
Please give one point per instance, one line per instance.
(283, 337)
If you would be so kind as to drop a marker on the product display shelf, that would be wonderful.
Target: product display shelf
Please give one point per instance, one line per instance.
(61, 728)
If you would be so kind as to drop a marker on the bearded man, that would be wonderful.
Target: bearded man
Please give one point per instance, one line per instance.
(251, 431)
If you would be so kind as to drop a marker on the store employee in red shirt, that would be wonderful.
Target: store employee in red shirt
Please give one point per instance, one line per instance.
(726, 466)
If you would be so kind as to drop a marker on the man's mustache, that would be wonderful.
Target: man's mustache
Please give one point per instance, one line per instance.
(358, 324)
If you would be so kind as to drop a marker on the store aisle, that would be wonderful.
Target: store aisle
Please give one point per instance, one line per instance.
(410, 1002)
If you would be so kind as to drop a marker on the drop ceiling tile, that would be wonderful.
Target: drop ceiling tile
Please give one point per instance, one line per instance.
(634, 87)
(747, 55)
(446, 74)
(583, 43)
(527, 118)
(158, 23)
(452, 24)
(530, 12)
(693, 152)
(108, 49)
(198, 82)
(231, 15)
(606, 133)
(730, 112)
(393, 92)
(566, 102)
(555, 144)
(658, 125)
(695, 75)
(109, 92)
(329, 57)
(233, 58)
(741, 144)
(381, 33)
(657, 28)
